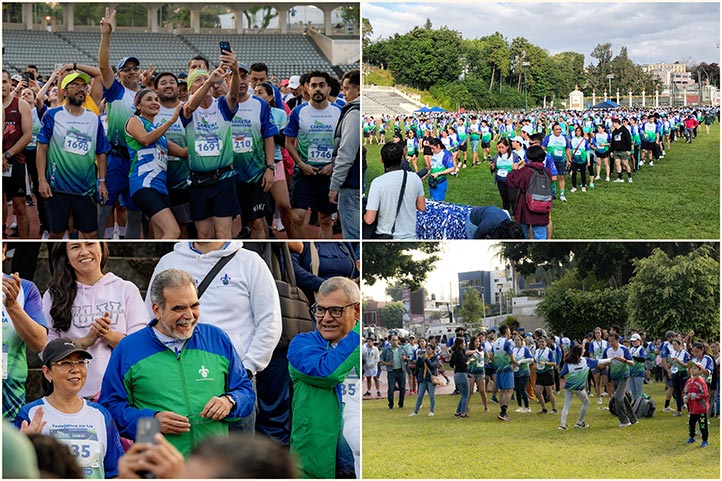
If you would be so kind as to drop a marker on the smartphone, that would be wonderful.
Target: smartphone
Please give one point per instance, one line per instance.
(224, 46)
(58, 66)
(27, 77)
(146, 430)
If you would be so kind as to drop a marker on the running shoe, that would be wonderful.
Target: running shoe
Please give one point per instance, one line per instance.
(677, 414)
(691, 441)
(599, 400)
(503, 417)
(667, 409)
(554, 411)
(704, 444)
(618, 180)
(543, 411)
(563, 198)
(651, 163)
(581, 425)
(367, 393)
(519, 410)
(431, 414)
(591, 185)
(596, 177)
(584, 189)
(607, 179)
(624, 425)
(562, 427)
(630, 180)
(573, 189)
(413, 414)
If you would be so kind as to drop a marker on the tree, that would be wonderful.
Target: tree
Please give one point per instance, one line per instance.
(268, 13)
(391, 315)
(677, 293)
(472, 309)
(350, 15)
(366, 31)
(394, 261)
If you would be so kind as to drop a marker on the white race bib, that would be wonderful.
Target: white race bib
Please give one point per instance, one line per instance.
(161, 158)
(75, 144)
(208, 147)
(319, 153)
(242, 143)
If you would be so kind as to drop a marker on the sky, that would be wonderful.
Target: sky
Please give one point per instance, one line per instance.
(456, 256)
(652, 32)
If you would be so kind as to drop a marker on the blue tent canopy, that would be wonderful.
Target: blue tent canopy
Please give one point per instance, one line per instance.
(437, 109)
(423, 110)
(607, 104)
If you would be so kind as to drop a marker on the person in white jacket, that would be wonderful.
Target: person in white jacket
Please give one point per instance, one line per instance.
(242, 300)
(370, 356)
(95, 309)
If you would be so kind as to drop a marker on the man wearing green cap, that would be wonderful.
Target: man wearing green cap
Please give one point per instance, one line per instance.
(69, 140)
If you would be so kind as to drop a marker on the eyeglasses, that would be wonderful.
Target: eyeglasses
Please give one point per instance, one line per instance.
(130, 69)
(67, 365)
(334, 311)
(77, 86)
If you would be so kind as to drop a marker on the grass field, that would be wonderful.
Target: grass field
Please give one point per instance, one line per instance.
(530, 446)
(678, 198)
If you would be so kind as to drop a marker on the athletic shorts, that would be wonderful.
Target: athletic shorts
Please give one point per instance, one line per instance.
(427, 151)
(118, 182)
(602, 371)
(485, 145)
(603, 155)
(545, 378)
(476, 377)
(561, 167)
(620, 155)
(367, 133)
(180, 206)
(84, 210)
(462, 146)
(14, 185)
(151, 201)
(505, 380)
(415, 153)
(253, 200)
(307, 190)
(214, 200)
(647, 145)
(474, 145)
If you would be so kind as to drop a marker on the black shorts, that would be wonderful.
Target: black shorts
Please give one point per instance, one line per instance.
(647, 145)
(427, 151)
(214, 200)
(253, 200)
(59, 207)
(307, 190)
(367, 133)
(485, 145)
(603, 155)
(151, 201)
(180, 206)
(415, 153)
(462, 146)
(545, 378)
(14, 185)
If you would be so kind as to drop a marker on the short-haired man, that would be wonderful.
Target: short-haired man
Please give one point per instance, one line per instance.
(394, 359)
(258, 75)
(309, 141)
(70, 139)
(503, 363)
(346, 178)
(619, 375)
(621, 147)
(324, 366)
(186, 374)
(384, 197)
(199, 61)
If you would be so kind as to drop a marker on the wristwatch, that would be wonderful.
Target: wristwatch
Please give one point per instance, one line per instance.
(9, 156)
(271, 167)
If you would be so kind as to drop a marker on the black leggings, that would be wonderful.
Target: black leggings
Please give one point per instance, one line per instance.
(508, 196)
(678, 381)
(582, 170)
(520, 390)
(702, 419)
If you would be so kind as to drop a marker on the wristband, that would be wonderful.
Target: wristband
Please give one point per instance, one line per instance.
(101, 180)
(230, 398)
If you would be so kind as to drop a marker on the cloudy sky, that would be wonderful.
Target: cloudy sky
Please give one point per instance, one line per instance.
(652, 32)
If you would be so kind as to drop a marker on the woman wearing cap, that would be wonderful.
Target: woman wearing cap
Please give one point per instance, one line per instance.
(96, 310)
(638, 370)
(84, 426)
(148, 149)
(678, 357)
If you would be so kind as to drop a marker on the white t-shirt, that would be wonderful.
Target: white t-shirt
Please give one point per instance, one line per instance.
(384, 197)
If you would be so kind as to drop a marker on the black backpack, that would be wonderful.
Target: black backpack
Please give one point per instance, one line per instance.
(539, 193)
(644, 406)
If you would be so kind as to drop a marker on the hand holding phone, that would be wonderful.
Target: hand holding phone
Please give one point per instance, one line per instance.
(225, 47)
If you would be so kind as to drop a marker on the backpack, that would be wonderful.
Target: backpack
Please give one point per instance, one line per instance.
(644, 406)
(613, 407)
(539, 193)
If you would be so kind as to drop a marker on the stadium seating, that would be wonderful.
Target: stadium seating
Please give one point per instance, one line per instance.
(285, 55)
(378, 102)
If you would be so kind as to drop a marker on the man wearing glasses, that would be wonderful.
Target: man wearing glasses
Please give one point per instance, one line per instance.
(185, 374)
(69, 140)
(324, 366)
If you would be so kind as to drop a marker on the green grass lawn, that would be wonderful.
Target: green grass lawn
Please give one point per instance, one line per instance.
(530, 446)
(678, 198)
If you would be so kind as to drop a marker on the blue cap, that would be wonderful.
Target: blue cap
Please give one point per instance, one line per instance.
(243, 66)
(125, 60)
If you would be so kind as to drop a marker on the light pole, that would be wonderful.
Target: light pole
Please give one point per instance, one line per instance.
(609, 79)
(526, 106)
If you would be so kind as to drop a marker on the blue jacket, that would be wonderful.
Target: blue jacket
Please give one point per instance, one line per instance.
(144, 377)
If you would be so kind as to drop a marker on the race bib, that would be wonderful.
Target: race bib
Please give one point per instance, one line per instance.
(76, 143)
(208, 147)
(86, 452)
(242, 144)
(501, 173)
(319, 153)
(161, 158)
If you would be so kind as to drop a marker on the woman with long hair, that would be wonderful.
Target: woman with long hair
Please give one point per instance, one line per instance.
(578, 158)
(521, 374)
(427, 363)
(459, 361)
(95, 309)
(476, 370)
(500, 166)
(62, 413)
(544, 360)
(574, 376)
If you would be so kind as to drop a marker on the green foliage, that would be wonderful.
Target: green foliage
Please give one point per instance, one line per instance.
(350, 15)
(377, 76)
(391, 315)
(394, 261)
(638, 450)
(678, 293)
(577, 311)
(472, 309)
(366, 31)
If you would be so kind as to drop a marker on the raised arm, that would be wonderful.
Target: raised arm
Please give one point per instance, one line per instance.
(106, 27)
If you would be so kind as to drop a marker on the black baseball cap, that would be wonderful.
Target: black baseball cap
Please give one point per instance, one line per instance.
(61, 348)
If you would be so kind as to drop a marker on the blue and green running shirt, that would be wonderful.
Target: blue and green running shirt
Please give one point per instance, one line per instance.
(556, 147)
(178, 172)
(503, 350)
(119, 105)
(650, 131)
(576, 375)
(209, 138)
(597, 348)
(639, 367)
(618, 370)
(148, 163)
(14, 361)
(313, 130)
(543, 355)
(250, 126)
(73, 142)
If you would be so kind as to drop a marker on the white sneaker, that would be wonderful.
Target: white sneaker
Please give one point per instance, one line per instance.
(597, 178)
(667, 409)
(607, 179)
(463, 166)
(618, 180)
(413, 414)
(599, 400)
(641, 162)
(527, 410)
(563, 198)
(519, 410)
(651, 163)
(630, 180)
(573, 189)
(584, 189)
(431, 414)
(625, 425)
